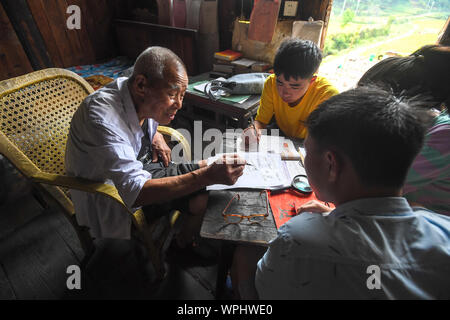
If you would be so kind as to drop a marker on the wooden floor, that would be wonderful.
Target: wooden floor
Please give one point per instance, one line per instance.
(38, 245)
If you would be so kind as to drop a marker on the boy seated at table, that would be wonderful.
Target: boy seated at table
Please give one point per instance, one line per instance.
(424, 72)
(360, 146)
(293, 92)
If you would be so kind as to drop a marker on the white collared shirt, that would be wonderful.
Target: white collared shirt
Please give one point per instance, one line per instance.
(343, 255)
(103, 144)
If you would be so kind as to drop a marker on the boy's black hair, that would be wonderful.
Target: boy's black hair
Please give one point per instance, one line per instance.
(402, 75)
(379, 133)
(425, 72)
(297, 58)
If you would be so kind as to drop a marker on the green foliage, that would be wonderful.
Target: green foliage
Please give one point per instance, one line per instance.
(347, 17)
(440, 15)
(371, 21)
(391, 20)
(394, 6)
(342, 41)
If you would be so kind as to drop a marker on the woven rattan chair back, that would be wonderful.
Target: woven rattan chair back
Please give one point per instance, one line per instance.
(36, 115)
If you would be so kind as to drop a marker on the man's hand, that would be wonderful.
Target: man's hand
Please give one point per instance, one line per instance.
(314, 206)
(226, 170)
(160, 149)
(250, 138)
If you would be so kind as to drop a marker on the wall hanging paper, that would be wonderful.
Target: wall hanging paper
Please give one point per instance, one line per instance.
(263, 20)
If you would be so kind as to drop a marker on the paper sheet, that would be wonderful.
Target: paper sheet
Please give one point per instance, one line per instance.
(244, 62)
(263, 20)
(294, 168)
(275, 144)
(267, 172)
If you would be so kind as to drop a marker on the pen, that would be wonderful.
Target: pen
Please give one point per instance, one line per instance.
(254, 127)
(302, 160)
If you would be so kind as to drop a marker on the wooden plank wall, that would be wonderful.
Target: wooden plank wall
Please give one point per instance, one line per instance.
(94, 41)
(228, 11)
(41, 28)
(134, 37)
(13, 60)
(34, 35)
(27, 32)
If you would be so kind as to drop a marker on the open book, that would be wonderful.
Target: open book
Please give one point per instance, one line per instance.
(265, 171)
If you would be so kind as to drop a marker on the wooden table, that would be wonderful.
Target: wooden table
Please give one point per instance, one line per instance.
(219, 114)
(215, 227)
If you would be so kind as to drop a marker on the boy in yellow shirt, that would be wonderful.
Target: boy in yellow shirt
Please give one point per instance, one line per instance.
(294, 91)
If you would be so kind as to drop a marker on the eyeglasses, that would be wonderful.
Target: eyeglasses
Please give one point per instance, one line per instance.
(234, 218)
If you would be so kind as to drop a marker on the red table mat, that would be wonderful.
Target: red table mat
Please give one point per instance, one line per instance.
(284, 204)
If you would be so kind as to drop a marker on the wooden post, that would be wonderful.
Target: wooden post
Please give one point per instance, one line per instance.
(13, 60)
(444, 36)
(28, 33)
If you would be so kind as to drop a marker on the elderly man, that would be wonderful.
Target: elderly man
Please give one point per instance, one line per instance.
(113, 138)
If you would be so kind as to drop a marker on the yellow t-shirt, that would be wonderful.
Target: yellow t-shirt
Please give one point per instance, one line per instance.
(291, 119)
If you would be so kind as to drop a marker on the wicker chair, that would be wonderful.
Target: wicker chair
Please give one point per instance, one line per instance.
(35, 114)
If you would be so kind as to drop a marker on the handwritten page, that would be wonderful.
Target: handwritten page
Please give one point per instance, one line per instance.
(294, 168)
(273, 144)
(266, 172)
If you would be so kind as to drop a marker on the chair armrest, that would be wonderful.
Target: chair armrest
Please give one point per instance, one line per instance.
(177, 136)
(79, 184)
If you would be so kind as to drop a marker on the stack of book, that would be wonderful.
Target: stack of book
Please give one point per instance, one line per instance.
(261, 66)
(222, 66)
(227, 55)
(243, 65)
(229, 62)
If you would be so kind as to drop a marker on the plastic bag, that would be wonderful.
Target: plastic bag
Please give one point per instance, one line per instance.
(246, 83)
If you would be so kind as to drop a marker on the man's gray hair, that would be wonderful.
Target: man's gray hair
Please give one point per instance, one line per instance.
(154, 63)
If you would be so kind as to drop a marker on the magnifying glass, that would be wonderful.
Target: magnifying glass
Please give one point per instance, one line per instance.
(300, 183)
